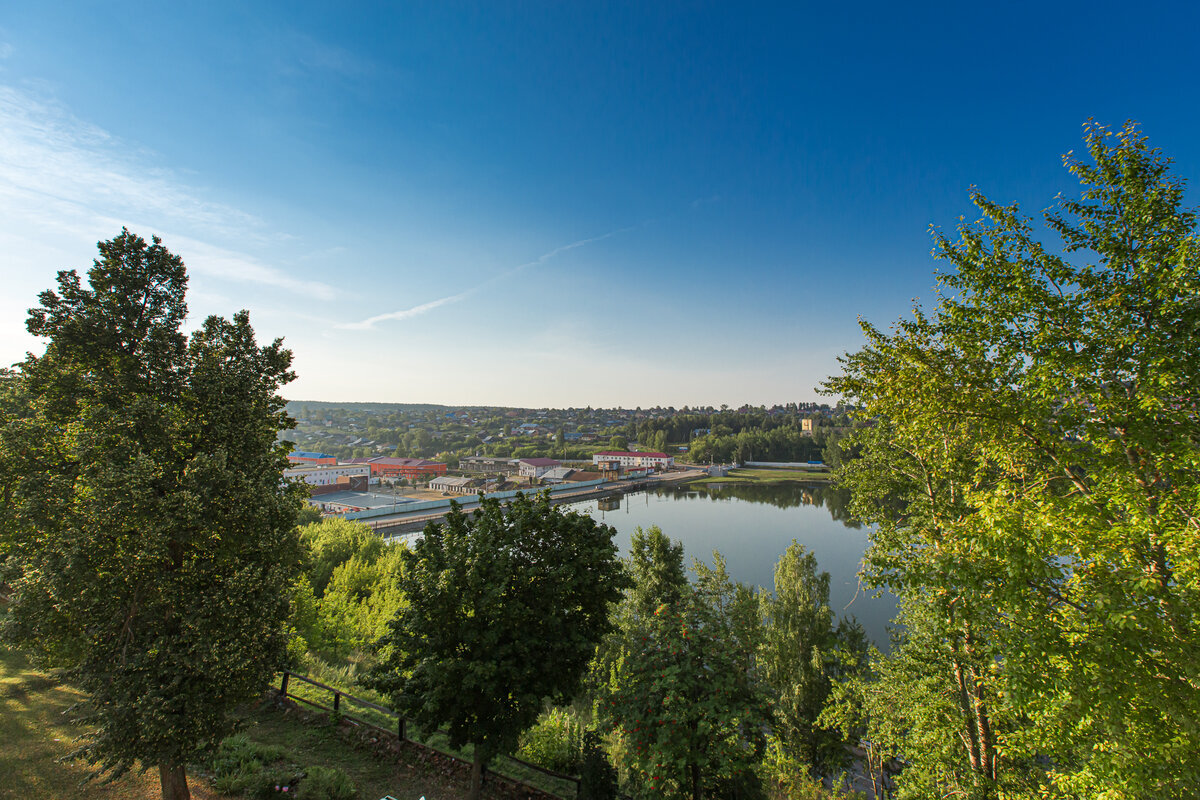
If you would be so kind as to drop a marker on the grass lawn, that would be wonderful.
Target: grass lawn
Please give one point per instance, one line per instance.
(35, 734)
(767, 475)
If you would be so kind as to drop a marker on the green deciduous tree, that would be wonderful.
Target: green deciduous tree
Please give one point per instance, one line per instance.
(803, 651)
(677, 680)
(656, 567)
(332, 542)
(151, 536)
(691, 714)
(1033, 467)
(506, 607)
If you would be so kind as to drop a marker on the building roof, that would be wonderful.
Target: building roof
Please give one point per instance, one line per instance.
(451, 481)
(301, 469)
(388, 461)
(540, 462)
(559, 474)
(306, 454)
(630, 453)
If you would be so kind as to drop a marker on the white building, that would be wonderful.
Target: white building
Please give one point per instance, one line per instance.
(327, 475)
(627, 458)
(536, 467)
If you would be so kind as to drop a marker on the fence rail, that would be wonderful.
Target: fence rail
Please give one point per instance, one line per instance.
(401, 728)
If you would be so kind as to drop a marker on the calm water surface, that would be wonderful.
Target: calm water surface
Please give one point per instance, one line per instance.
(751, 525)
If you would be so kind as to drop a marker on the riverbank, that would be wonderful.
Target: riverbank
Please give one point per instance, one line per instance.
(404, 524)
(767, 475)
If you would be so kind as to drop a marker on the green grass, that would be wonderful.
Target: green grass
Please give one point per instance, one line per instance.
(35, 735)
(767, 475)
(435, 740)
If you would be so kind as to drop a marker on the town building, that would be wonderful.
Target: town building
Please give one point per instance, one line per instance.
(488, 464)
(325, 478)
(452, 485)
(626, 458)
(410, 468)
(536, 467)
(558, 475)
(304, 457)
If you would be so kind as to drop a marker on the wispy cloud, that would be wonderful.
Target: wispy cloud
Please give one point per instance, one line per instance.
(60, 175)
(423, 308)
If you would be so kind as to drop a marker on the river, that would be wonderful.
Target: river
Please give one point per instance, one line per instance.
(751, 525)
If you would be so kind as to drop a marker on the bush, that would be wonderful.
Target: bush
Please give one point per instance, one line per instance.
(555, 742)
(326, 783)
(261, 772)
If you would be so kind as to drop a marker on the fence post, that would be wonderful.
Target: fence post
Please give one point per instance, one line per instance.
(283, 685)
(402, 727)
(337, 701)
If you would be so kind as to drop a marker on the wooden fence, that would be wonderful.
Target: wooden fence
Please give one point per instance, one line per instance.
(337, 706)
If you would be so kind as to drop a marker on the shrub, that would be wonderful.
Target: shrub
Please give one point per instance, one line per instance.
(555, 742)
(261, 772)
(326, 783)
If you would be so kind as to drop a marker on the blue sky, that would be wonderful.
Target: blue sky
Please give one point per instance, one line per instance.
(556, 204)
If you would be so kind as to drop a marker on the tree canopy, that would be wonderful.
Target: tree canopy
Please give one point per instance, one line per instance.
(505, 609)
(150, 535)
(1031, 465)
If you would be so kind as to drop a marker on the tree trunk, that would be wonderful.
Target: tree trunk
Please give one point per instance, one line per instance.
(476, 774)
(174, 782)
(694, 768)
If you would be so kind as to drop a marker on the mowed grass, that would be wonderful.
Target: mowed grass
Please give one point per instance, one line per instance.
(768, 475)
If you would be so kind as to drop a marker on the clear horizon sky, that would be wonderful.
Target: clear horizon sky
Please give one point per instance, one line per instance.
(557, 204)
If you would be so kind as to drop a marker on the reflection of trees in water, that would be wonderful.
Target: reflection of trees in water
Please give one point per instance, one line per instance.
(781, 495)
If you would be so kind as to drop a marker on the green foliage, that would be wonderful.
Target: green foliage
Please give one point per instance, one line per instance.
(1032, 471)
(246, 768)
(150, 533)
(555, 742)
(676, 683)
(656, 567)
(684, 702)
(802, 653)
(331, 543)
(776, 444)
(326, 783)
(308, 515)
(505, 608)
(359, 594)
(249, 769)
(597, 776)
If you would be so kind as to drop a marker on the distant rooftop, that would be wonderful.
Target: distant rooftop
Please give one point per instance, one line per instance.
(540, 462)
(360, 499)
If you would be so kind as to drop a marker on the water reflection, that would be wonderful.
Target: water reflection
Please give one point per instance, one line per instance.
(752, 524)
(781, 495)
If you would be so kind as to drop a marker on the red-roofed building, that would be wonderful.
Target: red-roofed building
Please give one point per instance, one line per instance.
(410, 468)
(626, 458)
